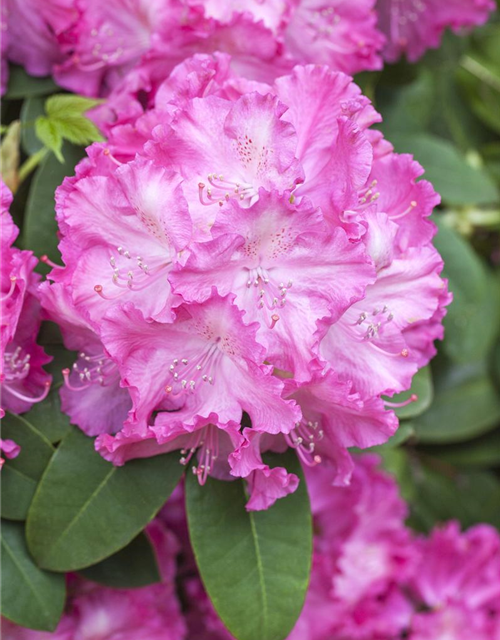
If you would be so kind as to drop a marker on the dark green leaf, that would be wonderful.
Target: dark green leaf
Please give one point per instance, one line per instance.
(471, 497)
(458, 182)
(22, 85)
(32, 108)
(254, 565)
(30, 597)
(421, 386)
(480, 452)
(40, 227)
(132, 567)
(466, 404)
(48, 417)
(473, 319)
(47, 132)
(20, 475)
(85, 509)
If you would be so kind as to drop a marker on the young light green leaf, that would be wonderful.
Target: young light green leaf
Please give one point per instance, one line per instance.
(30, 597)
(254, 565)
(85, 509)
(133, 567)
(48, 132)
(20, 475)
(62, 105)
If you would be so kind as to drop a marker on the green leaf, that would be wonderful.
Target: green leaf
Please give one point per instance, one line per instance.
(48, 417)
(20, 475)
(421, 386)
(48, 132)
(66, 111)
(471, 497)
(132, 567)
(458, 182)
(30, 597)
(480, 452)
(479, 75)
(85, 509)
(254, 565)
(473, 319)
(64, 104)
(32, 108)
(466, 404)
(40, 226)
(21, 85)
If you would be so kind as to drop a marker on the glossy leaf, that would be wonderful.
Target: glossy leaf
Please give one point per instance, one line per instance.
(32, 108)
(473, 319)
(471, 497)
(421, 386)
(466, 404)
(85, 509)
(40, 227)
(21, 85)
(457, 181)
(20, 475)
(254, 565)
(132, 567)
(31, 597)
(48, 417)
(480, 452)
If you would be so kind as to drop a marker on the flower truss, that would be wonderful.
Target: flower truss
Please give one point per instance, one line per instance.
(245, 254)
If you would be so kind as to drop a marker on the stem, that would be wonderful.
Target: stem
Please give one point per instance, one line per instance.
(481, 72)
(31, 163)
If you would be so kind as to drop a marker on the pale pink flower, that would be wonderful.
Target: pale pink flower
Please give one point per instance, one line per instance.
(413, 26)
(91, 395)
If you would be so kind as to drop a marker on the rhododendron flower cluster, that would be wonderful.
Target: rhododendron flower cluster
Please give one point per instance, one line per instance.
(94, 611)
(131, 45)
(23, 381)
(245, 252)
(374, 579)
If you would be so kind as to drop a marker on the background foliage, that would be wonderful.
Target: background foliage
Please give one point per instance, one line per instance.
(446, 455)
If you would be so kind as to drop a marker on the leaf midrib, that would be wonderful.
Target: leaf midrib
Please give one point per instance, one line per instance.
(260, 571)
(81, 511)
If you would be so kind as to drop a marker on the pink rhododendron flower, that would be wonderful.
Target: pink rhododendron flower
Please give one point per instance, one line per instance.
(30, 30)
(340, 33)
(93, 611)
(363, 554)
(458, 581)
(413, 26)
(9, 449)
(23, 380)
(94, 380)
(243, 247)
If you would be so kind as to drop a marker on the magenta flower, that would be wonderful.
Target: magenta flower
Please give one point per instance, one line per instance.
(413, 26)
(23, 380)
(246, 248)
(458, 582)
